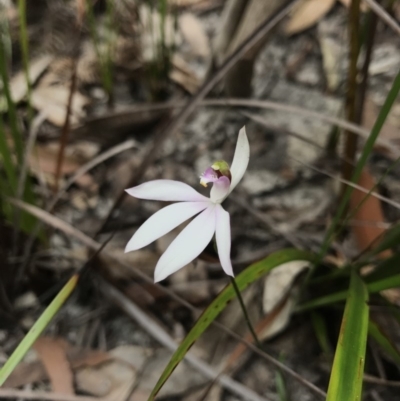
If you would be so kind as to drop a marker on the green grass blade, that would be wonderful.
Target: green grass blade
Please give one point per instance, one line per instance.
(368, 147)
(321, 332)
(5, 157)
(12, 113)
(37, 328)
(384, 284)
(389, 267)
(243, 280)
(280, 384)
(390, 240)
(384, 341)
(375, 286)
(348, 365)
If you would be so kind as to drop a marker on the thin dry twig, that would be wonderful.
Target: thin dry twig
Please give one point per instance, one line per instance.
(382, 382)
(263, 122)
(383, 15)
(66, 127)
(43, 395)
(261, 104)
(59, 224)
(266, 220)
(101, 158)
(349, 183)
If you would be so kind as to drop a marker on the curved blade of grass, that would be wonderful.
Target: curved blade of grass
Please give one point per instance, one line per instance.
(383, 340)
(39, 326)
(376, 286)
(368, 147)
(346, 378)
(12, 113)
(388, 268)
(321, 332)
(391, 239)
(243, 280)
(5, 155)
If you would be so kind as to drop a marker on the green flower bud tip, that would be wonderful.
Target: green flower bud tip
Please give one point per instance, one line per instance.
(221, 167)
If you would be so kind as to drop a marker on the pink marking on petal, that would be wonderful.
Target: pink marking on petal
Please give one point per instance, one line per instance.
(208, 176)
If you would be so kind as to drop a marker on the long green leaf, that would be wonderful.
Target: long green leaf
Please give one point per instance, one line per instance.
(368, 147)
(12, 113)
(5, 157)
(390, 239)
(39, 326)
(376, 286)
(387, 268)
(348, 365)
(243, 280)
(384, 341)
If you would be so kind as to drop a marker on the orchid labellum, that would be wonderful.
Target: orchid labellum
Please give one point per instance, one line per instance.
(213, 219)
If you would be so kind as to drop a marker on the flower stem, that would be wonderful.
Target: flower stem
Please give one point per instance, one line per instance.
(246, 315)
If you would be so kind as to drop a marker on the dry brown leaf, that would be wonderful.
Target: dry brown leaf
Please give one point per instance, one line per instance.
(79, 357)
(18, 87)
(43, 160)
(80, 11)
(307, 13)
(52, 352)
(53, 100)
(26, 373)
(183, 75)
(36, 68)
(193, 32)
(113, 379)
(370, 211)
(33, 372)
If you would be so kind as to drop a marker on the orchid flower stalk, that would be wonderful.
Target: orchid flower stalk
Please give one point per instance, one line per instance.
(211, 217)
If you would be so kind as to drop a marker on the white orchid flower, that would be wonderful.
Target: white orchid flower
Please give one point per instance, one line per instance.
(198, 233)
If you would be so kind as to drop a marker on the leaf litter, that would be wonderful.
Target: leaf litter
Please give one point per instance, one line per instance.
(297, 200)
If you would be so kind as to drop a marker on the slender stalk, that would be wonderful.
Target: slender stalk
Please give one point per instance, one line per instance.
(246, 315)
(23, 37)
(351, 99)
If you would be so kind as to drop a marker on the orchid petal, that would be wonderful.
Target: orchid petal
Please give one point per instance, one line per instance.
(223, 237)
(208, 176)
(220, 189)
(163, 222)
(187, 245)
(240, 159)
(166, 190)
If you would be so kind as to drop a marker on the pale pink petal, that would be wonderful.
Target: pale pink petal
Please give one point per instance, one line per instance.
(220, 189)
(166, 190)
(223, 237)
(187, 245)
(163, 222)
(208, 176)
(240, 159)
